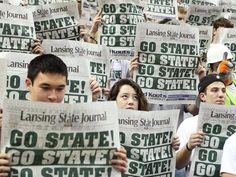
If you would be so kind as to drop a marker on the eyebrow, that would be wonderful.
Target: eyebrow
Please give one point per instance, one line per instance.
(45, 84)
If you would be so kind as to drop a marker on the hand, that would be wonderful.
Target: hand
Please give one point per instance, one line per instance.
(176, 143)
(201, 72)
(195, 139)
(37, 47)
(95, 88)
(225, 70)
(121, 162)
(4, 165)
(97, 21)
(133, 65)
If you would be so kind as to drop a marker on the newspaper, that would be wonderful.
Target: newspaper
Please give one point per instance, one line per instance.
(16, 28)
(147, 138)
(205, 39)
(56, 139)
(57, 21)
(228, 38)
(119, 29)
(167, 61)
(202, 15)
(206, 2)
(218, 123)
(97, 55)
(89, 9)
(78, 89)
(161, 9)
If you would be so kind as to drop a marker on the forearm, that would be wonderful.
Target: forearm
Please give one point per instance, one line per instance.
(182, 158)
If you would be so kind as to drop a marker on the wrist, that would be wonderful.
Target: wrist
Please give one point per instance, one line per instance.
(189, 149)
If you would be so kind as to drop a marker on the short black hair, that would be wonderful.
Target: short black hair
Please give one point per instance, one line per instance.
(46, 63)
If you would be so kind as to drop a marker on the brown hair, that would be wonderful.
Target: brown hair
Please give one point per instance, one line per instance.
(143, 104)
(222, 22)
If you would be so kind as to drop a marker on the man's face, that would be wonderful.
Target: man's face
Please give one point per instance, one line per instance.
(47, 87)
(214, 94)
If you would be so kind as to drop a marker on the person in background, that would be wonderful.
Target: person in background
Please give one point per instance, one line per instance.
(219, 58)
(211, 90)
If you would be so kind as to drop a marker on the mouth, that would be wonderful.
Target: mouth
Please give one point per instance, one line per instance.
(220, 102)
(129, 108)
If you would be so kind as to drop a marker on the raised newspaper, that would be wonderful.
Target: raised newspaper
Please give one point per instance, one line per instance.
(147, 138)
(218, 122)
(77, 89)
(16, 28)
(167, 59)
(56, 139)
(98, 57)
(57, 21)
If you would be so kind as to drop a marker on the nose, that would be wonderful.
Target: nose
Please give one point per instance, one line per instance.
(130, 101)
(221, 94)
(52, 97)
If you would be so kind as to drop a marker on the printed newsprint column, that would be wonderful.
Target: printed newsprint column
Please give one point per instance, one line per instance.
(232, 17)
(167, 61)
(97, 55)
(3, 78)
(57, 21)
(56, 139)
(205, 39)
(147, 138)
(77, 91)
(205, 2)
(161, 9)
(34, 2)
(16, 28)
(226, 6)
(202, 15)
(227, 36)
(218, 122)
(119, 28)
(89, 10)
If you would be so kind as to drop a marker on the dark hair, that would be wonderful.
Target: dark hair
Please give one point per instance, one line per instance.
(46, 63)
(143, 105)
(222, 22)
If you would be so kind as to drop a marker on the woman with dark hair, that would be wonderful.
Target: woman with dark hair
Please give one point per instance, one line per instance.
(128, 95)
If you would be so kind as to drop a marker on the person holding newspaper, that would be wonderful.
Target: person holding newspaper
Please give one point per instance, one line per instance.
(211, 90)
(46, 82)
(219, 58)
(129, 95)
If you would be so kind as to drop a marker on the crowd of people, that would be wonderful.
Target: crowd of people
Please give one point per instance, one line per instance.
(47, 77)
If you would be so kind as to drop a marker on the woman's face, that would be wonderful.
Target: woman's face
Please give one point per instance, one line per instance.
(127, 98)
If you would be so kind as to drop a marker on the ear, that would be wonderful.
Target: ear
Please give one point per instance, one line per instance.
(202, 97)
(28, 84)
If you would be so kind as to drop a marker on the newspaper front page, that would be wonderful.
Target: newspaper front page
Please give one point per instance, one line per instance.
(56, 139)
(98, 57)
(228, 38)
(147, 138)
(77, 91)
(16, 29)
(218, 122)
(167, 56)
(57, 21)
(119, 29)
